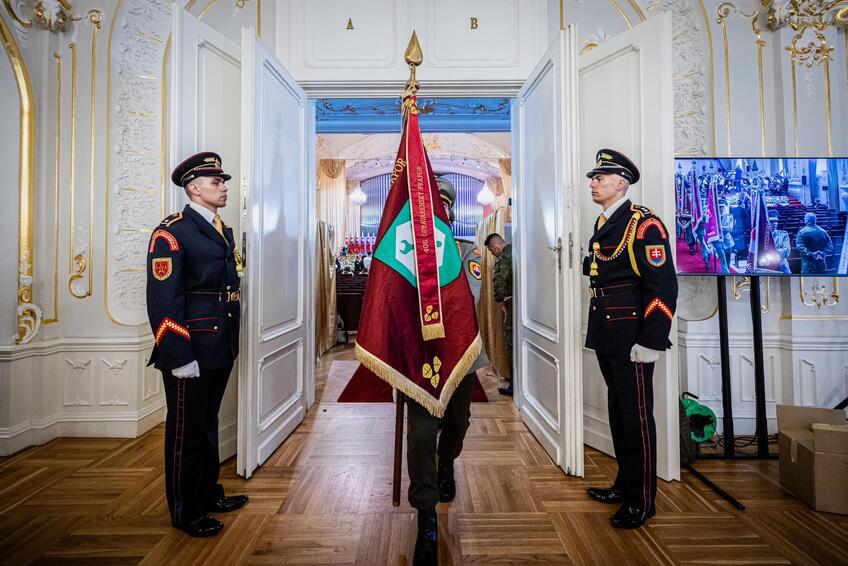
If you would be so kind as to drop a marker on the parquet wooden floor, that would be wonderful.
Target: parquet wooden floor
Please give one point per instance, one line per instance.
(324, 497)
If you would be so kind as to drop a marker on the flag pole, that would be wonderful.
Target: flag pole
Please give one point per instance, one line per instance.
(414, 57)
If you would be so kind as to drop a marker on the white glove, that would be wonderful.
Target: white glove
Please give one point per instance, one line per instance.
(187, 371)
(643, 355)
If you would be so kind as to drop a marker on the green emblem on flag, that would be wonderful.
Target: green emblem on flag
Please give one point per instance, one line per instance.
(396, 249)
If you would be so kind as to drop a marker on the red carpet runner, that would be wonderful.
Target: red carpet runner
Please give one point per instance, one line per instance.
(365, 387)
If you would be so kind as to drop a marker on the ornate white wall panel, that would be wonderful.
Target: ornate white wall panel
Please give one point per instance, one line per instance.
(329, 43)
(137, 178)
(457, 42)
(72, 387)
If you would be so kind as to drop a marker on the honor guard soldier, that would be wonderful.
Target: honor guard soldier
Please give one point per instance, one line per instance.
(633, 296)
(193, 307)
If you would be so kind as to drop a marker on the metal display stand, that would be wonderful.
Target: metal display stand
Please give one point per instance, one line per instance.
(726, 392)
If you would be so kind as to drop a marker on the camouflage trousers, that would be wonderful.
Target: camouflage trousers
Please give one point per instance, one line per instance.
(508, 337)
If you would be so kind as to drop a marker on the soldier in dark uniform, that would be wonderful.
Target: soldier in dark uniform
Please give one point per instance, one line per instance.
(193, 307)
(814, 245)
(432, 481)
(502, 291)
(634, 294)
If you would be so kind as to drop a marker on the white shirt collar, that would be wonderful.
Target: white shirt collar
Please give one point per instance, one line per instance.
(202, 211)
(614, 206)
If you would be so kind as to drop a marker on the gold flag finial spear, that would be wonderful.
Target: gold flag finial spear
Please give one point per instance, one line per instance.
(414, 57)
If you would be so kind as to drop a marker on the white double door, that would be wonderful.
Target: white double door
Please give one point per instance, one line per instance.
(618, 95)
(239, 101)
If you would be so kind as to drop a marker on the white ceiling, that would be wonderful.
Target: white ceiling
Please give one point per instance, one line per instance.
(475, 155)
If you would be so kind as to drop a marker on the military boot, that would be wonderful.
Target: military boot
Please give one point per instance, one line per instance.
(427, 543)
(446, 482)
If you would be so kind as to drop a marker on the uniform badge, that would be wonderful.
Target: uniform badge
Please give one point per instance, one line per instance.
(475, 270)
(656, 255)
(162, 268)
(476, 251)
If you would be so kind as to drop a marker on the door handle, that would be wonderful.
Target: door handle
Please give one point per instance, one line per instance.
(558, 250)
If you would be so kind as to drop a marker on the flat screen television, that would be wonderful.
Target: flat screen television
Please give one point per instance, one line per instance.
(761, 216)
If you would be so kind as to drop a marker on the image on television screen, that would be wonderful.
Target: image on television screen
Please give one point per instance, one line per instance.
(761, 216)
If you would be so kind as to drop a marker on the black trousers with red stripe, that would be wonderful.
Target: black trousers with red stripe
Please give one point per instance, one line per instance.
(630, 394)
(191, 442)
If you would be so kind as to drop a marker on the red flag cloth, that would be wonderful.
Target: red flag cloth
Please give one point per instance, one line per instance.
(712, 232)
(762, 253)
(418, 328)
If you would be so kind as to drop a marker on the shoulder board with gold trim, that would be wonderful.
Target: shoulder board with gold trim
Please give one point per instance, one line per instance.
(175, 217)
(640, 208)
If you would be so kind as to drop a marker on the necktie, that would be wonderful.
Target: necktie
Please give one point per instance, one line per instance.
(601, 220)
(219, 226)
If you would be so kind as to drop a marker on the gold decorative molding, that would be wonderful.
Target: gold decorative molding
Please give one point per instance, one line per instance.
(73, 172)
(760, 42)
(712, 70)
(739, 286)
(621, 12)
(587, 46)
(723, 11)
(561, 16)
(818, 297)
(56, 186)
(46, 16)
(82, 261)
(28, 314)
(810, 19)
(794, 106)
(108, 157)
(21, 21)
(164, 110)
(638, 9)
(205, 9)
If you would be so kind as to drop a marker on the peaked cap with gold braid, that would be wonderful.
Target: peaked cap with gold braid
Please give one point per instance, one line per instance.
(610, 161)
(204, 164)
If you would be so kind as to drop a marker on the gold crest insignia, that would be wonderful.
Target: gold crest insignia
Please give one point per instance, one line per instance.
(162, 268)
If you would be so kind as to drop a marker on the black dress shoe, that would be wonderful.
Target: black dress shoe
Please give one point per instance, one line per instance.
(610, 495)
(506, 390)
(427, 543)
(631, 517)
(447, 484)
(203, 526)
(227, 504)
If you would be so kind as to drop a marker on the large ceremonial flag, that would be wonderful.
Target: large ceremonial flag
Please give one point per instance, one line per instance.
(418, 328)
(697, 204)
(712, 231)
(762, 253)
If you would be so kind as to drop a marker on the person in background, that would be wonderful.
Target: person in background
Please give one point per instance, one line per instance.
(781, 240)
(502, 290)
(814, 245)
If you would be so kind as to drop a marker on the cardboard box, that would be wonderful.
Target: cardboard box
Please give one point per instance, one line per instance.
(814, 456)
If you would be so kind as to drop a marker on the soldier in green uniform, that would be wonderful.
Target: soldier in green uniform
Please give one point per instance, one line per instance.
(814, 245)
(781, 240)
(502, 289)
(430, 455)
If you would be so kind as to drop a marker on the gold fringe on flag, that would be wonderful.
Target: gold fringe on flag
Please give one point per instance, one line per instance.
(393, 377)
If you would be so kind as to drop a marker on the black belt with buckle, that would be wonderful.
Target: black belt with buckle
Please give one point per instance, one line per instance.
(215, 296)
(611, 290)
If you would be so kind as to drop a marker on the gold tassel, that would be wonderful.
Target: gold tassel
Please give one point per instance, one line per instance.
(593, 268)
(433, 331)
